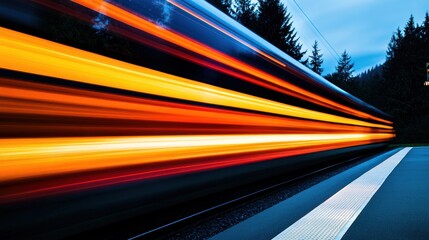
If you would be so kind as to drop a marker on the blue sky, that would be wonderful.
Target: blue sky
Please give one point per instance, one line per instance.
(362, 27)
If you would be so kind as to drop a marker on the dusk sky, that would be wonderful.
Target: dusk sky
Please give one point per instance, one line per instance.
(362, 27)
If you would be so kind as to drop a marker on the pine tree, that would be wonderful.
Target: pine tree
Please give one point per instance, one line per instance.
(316, 60)
(394, 44)
(425, 37)
(410, 28)
(425, 29)
(245, 13)
(411, 53)
(275, 25)
(223, 5)
(411, 37)
(344, 68)
(393, 51)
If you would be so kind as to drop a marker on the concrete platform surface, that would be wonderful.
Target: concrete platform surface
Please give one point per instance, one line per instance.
(386, 197)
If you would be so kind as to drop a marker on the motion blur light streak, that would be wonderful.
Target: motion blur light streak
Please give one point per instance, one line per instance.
(118, 111)
(133, 20)
(19, 97)
(22, 156)
(108, 177)
(28, 158)
(170, 50)
(18, 49)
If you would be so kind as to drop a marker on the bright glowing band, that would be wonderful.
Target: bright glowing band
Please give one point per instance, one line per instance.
(85, 137)
(144, 25)
(21, 52)
(23, 158)
(43, 101)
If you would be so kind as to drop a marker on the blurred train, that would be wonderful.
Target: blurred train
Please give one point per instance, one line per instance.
(113, 109)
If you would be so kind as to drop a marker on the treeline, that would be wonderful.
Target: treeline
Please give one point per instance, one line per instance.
(397, 86)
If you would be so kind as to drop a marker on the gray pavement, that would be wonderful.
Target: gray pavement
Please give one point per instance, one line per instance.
(269, 223)
(400, 208)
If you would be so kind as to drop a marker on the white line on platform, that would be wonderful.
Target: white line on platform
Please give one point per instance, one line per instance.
(332, 218)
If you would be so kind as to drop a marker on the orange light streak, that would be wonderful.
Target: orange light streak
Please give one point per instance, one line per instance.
(135, 21)
(168, 49)
(59, 139)
(21, 52)
(88, 180)
(19, 97)
(24, 158)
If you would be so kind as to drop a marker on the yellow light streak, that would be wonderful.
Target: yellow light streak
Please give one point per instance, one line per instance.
(26, 53)
(24, 158)
(36, 99)
(142, 24)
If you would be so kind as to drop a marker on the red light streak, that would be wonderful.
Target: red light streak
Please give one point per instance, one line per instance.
(86, 139)
(140, 23)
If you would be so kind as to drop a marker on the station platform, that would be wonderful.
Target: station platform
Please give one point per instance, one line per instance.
(386, 197)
